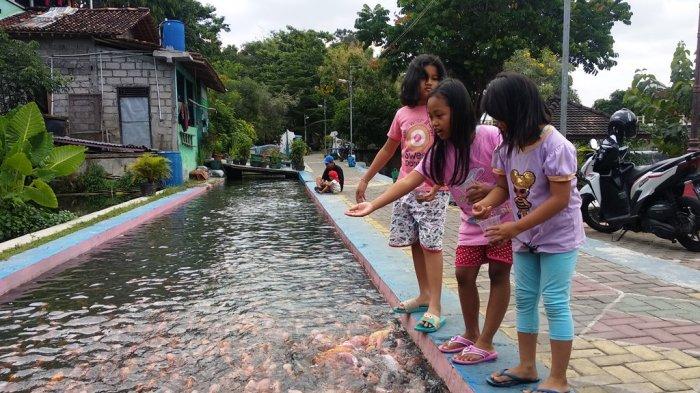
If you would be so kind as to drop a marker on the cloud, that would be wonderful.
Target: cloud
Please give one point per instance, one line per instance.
(649, 42)
(252, 20)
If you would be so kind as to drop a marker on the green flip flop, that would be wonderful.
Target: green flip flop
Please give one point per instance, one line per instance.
(409, 307)
(430, 323)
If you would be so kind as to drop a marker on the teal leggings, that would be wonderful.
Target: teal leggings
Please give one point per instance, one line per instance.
(548, 275)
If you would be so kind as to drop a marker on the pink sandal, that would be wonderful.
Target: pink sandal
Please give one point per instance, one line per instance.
(463, 342)
(485, 356)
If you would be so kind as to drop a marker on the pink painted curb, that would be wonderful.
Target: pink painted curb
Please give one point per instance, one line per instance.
(441, 365)
(30, 273)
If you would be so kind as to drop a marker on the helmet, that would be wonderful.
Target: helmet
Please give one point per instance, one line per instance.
(623, 124)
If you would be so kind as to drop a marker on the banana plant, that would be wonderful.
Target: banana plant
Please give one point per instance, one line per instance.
(29, 160)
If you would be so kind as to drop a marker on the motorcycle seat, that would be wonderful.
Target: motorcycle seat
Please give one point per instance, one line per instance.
(637, 171)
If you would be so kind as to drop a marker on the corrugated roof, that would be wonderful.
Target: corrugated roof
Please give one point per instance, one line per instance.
(134, 23)
(96, 146)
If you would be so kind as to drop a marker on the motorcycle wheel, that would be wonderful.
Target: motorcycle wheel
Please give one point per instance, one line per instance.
(590, 210)
(691, 241)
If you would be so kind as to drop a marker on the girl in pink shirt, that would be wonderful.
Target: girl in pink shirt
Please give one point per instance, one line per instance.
(416, 222)
(462, 148)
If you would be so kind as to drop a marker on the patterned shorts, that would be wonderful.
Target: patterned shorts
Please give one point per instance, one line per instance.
(474, 256)
(424, 222)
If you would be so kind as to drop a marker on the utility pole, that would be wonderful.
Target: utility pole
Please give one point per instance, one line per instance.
(305, 119)
(325, 123)
(349, 83)
(564, 103)
(693, 142)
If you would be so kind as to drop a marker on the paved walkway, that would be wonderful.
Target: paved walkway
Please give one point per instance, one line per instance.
(637, 331)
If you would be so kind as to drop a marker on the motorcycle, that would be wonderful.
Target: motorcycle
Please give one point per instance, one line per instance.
(662, 198)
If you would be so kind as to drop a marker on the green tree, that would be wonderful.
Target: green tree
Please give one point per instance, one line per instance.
(666, 108)
(24, 76)
(374, 98)
(475, 37)
(287, 63)
(202, 24)
(612, 104)
(545, 71)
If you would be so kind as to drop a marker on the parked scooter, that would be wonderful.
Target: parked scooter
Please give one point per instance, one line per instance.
(662, 198)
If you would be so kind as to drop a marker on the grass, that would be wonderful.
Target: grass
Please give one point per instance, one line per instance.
(4, 255)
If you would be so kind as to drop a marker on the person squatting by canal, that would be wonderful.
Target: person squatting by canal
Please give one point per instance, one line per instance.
(536, 168)
(416, 222)
(330, 187)
(461, 149)
(330, 166)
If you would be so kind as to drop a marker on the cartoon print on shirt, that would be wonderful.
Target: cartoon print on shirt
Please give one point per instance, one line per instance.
(521, 187)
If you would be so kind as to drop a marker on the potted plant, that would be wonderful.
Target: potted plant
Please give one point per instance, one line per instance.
(299, 150)
(275, 158)
(240, 148)
(150, 170)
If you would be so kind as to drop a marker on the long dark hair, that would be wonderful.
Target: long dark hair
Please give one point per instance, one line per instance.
(462, 129)
(410, 87)
(514, 99)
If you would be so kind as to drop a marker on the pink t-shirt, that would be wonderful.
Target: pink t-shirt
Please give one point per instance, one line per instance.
(411, 127)
(486, 140)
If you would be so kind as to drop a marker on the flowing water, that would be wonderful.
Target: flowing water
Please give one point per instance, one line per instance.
(244, 289)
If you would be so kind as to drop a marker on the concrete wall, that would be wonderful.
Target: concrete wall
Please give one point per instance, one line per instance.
(119, 69)
(114, 163)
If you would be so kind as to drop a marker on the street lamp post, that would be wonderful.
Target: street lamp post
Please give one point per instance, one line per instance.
(305, 119)
(349, 83)
(325, 131)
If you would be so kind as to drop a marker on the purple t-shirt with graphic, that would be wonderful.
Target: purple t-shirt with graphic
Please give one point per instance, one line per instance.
(529, 172)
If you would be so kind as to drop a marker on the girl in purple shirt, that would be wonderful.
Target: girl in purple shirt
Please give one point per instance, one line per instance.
(536, 168)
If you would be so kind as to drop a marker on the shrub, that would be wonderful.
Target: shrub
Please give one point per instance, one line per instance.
(151, 168)
(23, 218)
(28, 159)
(94, 179)
(126, 183)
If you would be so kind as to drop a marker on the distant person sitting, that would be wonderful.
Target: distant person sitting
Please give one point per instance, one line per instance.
(330, 187)
(330, 166)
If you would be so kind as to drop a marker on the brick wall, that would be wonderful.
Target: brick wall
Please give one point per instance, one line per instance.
(118, 70)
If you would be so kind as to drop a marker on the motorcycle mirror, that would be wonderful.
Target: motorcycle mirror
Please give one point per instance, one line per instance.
(594, 144)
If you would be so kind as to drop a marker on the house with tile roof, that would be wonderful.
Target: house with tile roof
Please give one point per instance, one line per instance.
(582, 123)
(124, 87)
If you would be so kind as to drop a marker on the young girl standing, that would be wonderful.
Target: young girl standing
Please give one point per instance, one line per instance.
(536, 168)
(462, 148)
(414, 222)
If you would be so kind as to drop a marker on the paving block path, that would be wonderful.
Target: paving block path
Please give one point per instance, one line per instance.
(636, 330)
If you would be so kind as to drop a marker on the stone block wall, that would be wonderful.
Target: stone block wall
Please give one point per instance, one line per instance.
(119, 68)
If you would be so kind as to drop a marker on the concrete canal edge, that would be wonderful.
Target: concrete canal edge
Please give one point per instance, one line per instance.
(391, 271)
(31, 264)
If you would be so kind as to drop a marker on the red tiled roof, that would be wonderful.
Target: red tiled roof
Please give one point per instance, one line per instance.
(98, 22)
(582, 122)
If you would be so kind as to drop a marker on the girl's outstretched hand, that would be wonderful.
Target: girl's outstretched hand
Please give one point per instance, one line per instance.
(479, 211)
(502, 233)
(360, 210)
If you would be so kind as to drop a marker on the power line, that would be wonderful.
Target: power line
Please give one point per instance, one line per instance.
(392, 44)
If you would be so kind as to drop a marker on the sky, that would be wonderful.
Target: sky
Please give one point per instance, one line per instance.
(649, 42)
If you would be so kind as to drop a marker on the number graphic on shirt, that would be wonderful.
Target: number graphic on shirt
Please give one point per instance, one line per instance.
(521, 187)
